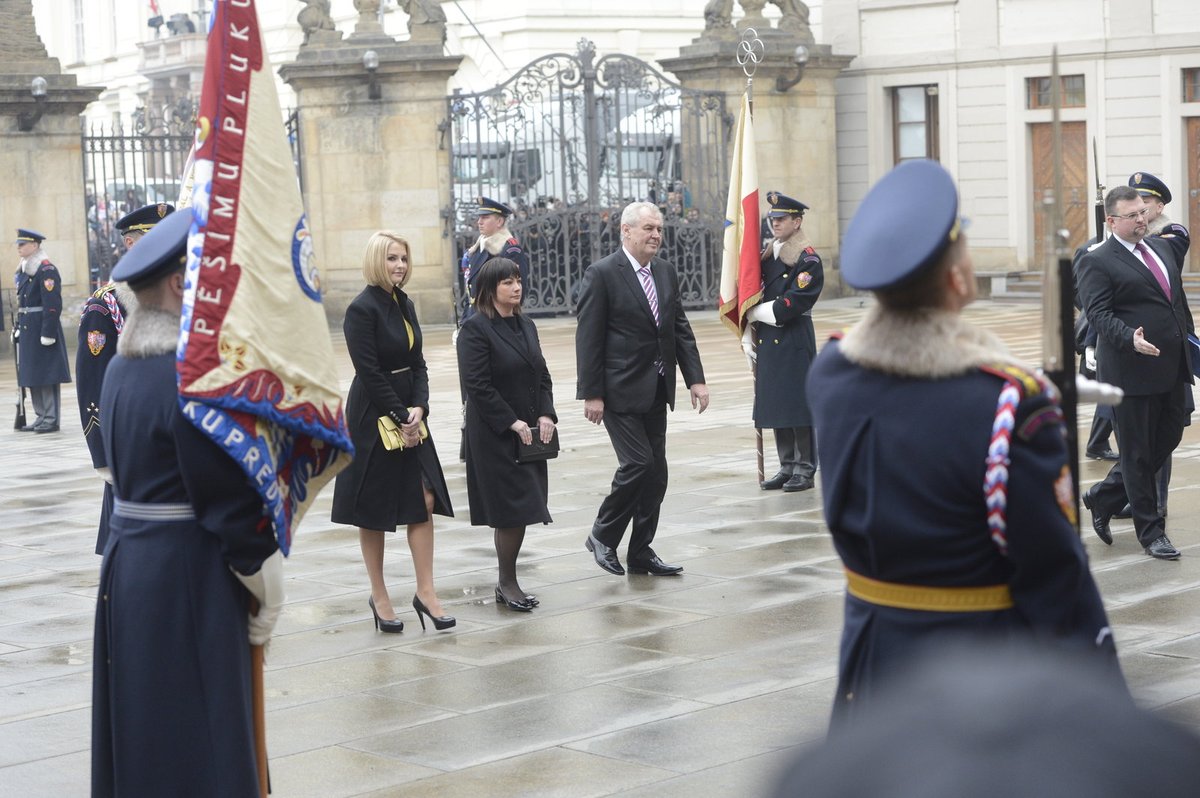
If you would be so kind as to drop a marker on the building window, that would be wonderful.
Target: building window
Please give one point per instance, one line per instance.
(1037, 92)
(79, 24)
(914, 122)
(1191, 85)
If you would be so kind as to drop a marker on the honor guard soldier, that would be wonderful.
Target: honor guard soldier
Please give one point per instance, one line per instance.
(976, 537)
(1157, 196)
(188, 547)
(792, 277)
(41, 350)
(100, 326)
(495, 241)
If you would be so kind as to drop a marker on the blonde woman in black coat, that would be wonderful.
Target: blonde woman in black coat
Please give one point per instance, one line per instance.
(383, 489)
(509, 398)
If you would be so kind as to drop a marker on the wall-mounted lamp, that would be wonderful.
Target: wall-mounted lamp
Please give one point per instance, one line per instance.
(27, 119)
(800, 57)
(371, 64)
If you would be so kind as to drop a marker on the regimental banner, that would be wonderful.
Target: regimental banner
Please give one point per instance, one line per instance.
(255, 359)
(741, 267)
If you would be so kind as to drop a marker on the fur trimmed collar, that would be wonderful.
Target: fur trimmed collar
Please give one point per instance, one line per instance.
(1158, 225)
(494, 243)
(149, 332)
(929, 344)
(791, 250)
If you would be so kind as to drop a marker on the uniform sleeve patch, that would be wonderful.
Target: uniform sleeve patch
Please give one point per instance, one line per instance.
(96, 341)
(1064, 494)
(803, 279)
(48, 283)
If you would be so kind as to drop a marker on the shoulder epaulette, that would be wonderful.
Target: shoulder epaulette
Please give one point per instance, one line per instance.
(837, 335)
(1025, 380)
(104, 289)
(1093, 246)
(514, 242)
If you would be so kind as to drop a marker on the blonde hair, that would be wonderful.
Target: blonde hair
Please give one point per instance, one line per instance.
(374, 266)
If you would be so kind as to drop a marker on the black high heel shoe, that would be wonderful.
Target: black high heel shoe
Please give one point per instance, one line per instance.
(531, 600)
(517, 606)
(439, 623)
(382, 624)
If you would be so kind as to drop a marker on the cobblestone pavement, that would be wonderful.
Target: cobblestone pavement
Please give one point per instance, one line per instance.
(698, 685)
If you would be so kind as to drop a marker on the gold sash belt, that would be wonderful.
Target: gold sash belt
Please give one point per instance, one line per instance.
(930, 599)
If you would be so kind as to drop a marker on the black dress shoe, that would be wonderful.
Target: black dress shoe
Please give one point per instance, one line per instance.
(776, 482)
(440, 622)
(46, 428)
(394, 626)
(797, 482)
(1162, 549)
(1124, 512)
(654, 566)
(1099, 520)
(1103, 454)
(516, 606)
(606, 557)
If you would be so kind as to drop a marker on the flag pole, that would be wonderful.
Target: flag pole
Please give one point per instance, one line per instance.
(749, 53)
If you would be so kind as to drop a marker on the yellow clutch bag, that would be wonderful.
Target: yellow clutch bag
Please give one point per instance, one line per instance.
(389, 432)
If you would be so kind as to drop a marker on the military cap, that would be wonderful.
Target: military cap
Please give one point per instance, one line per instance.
(488, 205)
(1150, 186)
(163, 249)
(145, 217)
(903, 225)
(29, 236)
(782, 205)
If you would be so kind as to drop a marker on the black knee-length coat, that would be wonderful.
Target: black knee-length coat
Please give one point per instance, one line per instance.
(504, 378)
(381, 489)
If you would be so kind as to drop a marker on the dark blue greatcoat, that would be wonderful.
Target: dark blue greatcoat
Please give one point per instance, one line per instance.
(382, 489)
(479, 254)
(791, 285)
(41, 365)
(903, 465)
(171, 700)
(505, 378)
(97, 347)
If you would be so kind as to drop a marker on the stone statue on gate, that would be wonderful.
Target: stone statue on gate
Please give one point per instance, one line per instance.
(314, 17)
(718, 15)
(426, 21)
(795, 19)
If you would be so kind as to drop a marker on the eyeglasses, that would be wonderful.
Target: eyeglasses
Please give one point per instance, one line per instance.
(1133, 216)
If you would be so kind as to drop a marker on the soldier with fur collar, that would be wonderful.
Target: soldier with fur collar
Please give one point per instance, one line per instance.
(944, 469)
(786, 344)
(39, 333)
(495, 241)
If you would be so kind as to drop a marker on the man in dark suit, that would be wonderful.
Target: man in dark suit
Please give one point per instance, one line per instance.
(1131, 291)
(632, 333)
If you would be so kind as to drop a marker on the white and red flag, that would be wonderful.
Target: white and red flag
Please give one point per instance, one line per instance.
(741, 269)
(255, 359)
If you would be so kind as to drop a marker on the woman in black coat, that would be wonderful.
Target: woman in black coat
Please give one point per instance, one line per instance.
(383, 489)
(509, 399)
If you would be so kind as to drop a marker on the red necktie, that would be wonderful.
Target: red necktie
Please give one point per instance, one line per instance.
(1144, 253)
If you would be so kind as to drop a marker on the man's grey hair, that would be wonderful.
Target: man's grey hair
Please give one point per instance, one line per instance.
(634, 210)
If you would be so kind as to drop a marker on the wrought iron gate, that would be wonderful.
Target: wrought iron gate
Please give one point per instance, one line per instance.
(567, 142)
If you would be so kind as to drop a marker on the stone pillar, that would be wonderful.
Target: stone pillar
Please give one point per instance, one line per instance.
(41, 169)
(795, 128)
(373, 165)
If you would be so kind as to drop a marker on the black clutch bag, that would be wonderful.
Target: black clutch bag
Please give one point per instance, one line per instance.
(536, 451)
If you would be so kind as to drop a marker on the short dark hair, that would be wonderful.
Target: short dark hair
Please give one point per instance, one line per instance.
(926, 288)
(1118, 194)
(494, 272)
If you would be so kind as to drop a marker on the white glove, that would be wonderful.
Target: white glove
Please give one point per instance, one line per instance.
(454, 337)
(105, 474)
(47, 341)
(748, 345)
(1089, 358)
(764, 313)
(1099, 392)
(267, 587)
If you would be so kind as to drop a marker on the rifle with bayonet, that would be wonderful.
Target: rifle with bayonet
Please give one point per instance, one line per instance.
(1098, 209)
(20, 421)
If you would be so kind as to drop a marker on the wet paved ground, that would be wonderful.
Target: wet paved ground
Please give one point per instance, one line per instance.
(637, 686)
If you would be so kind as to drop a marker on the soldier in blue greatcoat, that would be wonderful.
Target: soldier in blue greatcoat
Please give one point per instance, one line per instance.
(42, 352)
(188, 547)
(100, 325)
(495, 241)
(944, 465)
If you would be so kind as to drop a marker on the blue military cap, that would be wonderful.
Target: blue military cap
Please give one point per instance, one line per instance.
(488, 205)
(145, 217)
(903, 225)
(29, 236)
(783, 205)
(1150, 186)
(163, 249)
